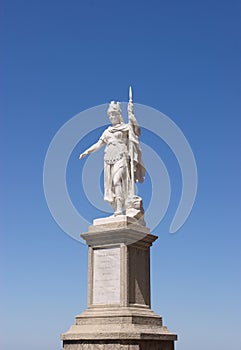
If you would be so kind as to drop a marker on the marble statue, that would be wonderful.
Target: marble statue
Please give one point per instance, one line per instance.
(123, 165)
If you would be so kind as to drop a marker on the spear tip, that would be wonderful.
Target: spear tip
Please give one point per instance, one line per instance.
(130, 93)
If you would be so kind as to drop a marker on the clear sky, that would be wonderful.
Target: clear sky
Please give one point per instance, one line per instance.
(59, 58)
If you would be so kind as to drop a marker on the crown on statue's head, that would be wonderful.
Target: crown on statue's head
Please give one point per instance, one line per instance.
(114, 107)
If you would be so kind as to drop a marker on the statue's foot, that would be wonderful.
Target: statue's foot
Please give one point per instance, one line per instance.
(116, 213)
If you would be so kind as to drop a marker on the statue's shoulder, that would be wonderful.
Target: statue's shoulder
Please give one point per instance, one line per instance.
(104, 135)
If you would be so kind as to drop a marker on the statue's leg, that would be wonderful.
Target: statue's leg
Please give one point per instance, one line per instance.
(117, 183)
(113, 204)
(119, 206)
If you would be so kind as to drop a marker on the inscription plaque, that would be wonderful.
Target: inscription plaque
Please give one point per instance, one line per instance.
(106, 276)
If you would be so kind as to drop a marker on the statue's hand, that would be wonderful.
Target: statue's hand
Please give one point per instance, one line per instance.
(131, 117)
(82, 155)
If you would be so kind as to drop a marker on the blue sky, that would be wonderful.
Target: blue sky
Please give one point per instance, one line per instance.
(61, 57)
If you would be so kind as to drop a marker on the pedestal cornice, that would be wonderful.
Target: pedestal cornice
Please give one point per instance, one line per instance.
(120, 229)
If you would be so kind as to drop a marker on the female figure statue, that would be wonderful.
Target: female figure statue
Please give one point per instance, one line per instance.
(123, 164)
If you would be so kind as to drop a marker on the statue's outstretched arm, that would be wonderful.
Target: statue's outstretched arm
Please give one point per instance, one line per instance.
(92, 149)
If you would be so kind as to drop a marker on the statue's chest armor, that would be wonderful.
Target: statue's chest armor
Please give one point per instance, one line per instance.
(116, 147)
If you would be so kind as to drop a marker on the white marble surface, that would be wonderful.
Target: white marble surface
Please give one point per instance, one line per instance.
(106, 276)
(123, 165)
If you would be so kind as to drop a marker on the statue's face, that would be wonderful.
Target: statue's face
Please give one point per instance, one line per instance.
(114, 118)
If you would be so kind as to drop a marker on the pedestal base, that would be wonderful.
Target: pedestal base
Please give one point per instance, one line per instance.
(120, 345)
(119, 316)
(130, 328)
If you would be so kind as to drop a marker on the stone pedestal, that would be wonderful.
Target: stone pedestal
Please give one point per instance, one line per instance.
(118, 316)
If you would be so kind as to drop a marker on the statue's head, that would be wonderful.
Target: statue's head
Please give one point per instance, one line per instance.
(114, 113)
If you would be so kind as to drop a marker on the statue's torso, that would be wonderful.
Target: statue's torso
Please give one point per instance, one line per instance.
(116, 145)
